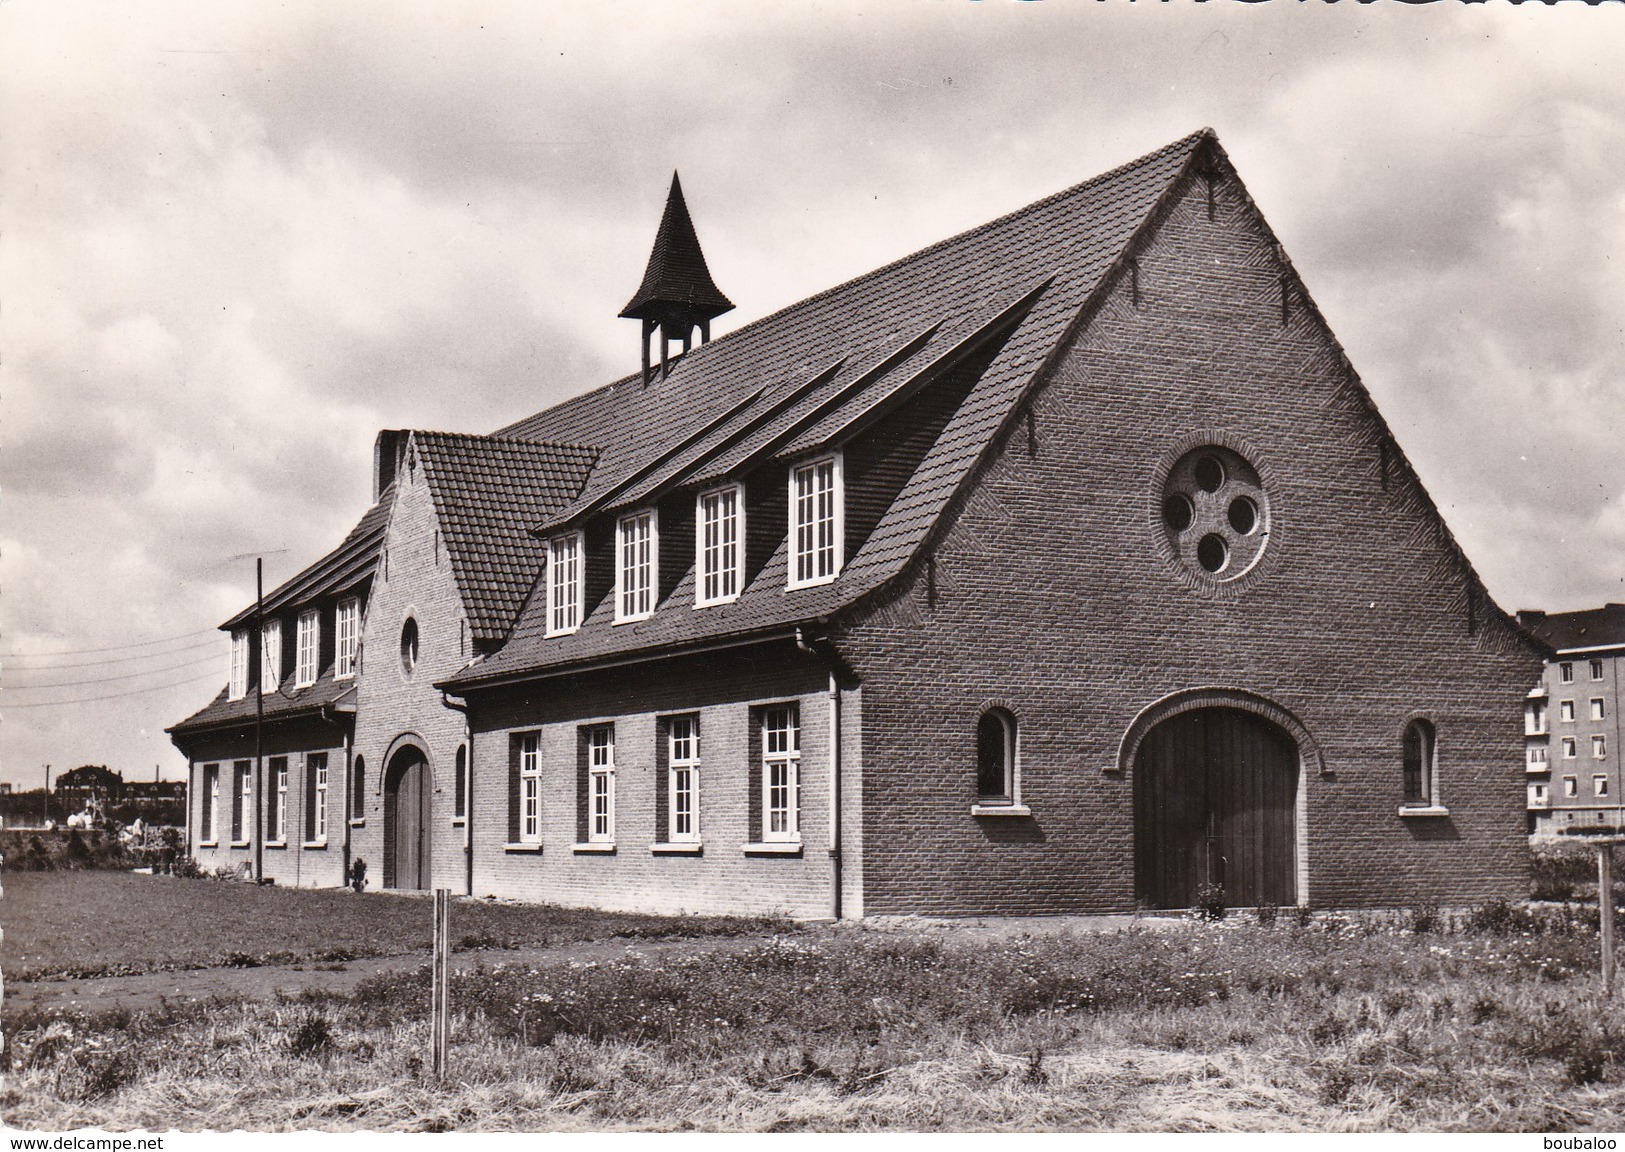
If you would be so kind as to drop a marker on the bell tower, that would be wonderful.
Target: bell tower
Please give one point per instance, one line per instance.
(677, 294)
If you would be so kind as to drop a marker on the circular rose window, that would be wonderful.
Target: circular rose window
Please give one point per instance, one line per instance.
(1215, 513)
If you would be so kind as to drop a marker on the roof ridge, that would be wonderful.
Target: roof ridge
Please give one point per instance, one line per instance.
(1190, 140)
(516, 441)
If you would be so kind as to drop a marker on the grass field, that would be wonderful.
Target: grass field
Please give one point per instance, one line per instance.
(94, 923)
(1345, 1023)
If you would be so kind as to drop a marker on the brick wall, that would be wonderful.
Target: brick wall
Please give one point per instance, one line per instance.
(722, 689)
(1355, 619)
(295, 863)
(414, 579)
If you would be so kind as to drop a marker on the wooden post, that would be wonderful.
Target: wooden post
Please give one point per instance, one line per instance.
(440, 989)
(1605, 912)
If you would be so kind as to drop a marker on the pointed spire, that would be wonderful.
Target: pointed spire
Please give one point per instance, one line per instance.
(677, 294)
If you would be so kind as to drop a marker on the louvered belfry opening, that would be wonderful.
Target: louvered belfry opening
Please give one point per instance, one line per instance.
(677, 294)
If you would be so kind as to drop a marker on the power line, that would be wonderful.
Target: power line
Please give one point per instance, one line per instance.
(192, 663)
(111, 695)
(112, 659)
(115, 647)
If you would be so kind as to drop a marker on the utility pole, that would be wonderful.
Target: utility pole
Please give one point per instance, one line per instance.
(259, 719)
(46, 818)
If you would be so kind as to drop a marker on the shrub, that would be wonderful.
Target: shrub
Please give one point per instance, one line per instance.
(187, 868)
(1210, 902)
(1266, 914)
(311, 1036)
(1425, 919)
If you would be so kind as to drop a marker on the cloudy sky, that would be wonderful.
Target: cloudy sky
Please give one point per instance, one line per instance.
(239, 238)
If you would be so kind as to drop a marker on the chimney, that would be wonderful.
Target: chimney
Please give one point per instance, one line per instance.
(677, 294)
(387, 451)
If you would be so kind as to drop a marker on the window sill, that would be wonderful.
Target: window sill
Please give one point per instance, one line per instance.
(458, 821)
(1000, 810)
(276, 843)
(593, 848)
(242, 843)
(1424, 810)
(775, 848)
(314, 844)
(698, 604)
(535, 849)
(619, 620)
(358, 822)
(561, 632)
(208, 843)
(682, 849)
(818, 583)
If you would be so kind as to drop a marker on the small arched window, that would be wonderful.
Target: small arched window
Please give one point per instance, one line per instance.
(409, 645)
(459, 802)
(996, 757)
(1421, 778)
(358, 788)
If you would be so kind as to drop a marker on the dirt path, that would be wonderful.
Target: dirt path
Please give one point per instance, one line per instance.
(148, 989)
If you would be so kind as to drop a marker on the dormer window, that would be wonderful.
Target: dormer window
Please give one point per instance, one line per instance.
(270, 655)
(238, 687)
(718, 530)
(636, 545)
(308, 641)
(816, 522)
(564, 584)
(346, 635)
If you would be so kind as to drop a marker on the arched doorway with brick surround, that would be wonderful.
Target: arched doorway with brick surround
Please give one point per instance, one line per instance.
(408, 793)
(1218, 778)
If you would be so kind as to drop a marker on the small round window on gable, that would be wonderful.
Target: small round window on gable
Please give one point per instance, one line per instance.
(409, 645)
(1215, 512)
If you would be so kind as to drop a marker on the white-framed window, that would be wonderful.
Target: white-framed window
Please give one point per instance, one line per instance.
(601, 784)
(1565, 672)
(1538, 793)
(1568, 747)
(683, 780)
(637, 547)
(1535, 718)
(1599, 785)
(1421, 784)
(564, 584)
(1596, 669)
(817, 522)
(243, 803)
(1565, 711)
(530, 788)
(307, 641)
(279, 800)
(271, 656)
(719, 532)
(239, 665)
(459, 784)
(1571, 786)
(781, 773)
(210, 816)
(1537, 756)
(316, 769)
(347, 636)
(996, 757)
(1599, 747)
(1598, 710)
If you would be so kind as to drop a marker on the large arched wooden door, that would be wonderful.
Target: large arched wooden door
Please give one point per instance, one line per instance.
(1215, 802)
(407, 826)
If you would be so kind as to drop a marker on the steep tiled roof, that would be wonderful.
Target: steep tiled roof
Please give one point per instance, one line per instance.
(488, 492)
(676, 282)
(340, 569)
(1591, 628)
(284, 704)
(801, 378)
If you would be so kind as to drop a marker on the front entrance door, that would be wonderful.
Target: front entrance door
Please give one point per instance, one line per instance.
(407, 825)
(1215, 802)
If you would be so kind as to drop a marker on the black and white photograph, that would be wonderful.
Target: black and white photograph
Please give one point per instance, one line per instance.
(941, 566)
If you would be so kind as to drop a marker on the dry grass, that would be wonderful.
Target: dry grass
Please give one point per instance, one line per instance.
(1215, 1027)
(93, 923)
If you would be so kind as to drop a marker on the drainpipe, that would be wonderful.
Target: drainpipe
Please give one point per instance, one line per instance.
(328, 715)
(834, 710)
(468, 796)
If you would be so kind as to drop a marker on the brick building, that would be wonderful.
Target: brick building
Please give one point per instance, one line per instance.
(1571, 721)
(1065, 565)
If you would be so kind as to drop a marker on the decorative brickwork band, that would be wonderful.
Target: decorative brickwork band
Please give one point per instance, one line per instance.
(1190, 699)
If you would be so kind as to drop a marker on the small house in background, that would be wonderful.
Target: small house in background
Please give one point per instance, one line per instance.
(1065, 565)
(1571, 721)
